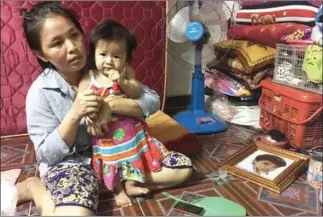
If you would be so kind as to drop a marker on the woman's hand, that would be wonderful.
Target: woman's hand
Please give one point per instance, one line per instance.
(86, 102)
(104, 116)
(93, 128)
(99, 125)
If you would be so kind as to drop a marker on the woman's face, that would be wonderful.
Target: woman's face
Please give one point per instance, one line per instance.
(265, 166)
(62, 45)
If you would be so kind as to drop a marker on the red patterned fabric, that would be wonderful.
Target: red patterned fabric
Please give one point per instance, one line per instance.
(19, 67)
(260, 2)
(268, 35)
(302, 12)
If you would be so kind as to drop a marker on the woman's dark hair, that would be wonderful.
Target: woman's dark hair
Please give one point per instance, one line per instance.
(111, 30)
(278, 161)
(34, 19)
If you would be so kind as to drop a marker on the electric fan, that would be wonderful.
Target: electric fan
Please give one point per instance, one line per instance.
(193, 27)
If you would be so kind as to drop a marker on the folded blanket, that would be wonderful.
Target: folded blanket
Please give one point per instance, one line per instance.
(249, 80)
(268, 35)
(173, 135)
(271, 12)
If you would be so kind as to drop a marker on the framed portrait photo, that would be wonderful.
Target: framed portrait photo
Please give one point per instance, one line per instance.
(268, 166)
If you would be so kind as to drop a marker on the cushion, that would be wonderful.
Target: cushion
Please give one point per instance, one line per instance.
(252, 56)
(312, 64)
(268, 35)
(19, 67)
(173, 135)
(302, 12)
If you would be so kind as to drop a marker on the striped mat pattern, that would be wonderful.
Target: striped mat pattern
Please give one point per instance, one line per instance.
(299, 199)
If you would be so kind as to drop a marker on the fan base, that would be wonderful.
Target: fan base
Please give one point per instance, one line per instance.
(200, 122)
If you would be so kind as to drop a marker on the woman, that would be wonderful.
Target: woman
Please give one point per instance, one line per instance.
(55, 117)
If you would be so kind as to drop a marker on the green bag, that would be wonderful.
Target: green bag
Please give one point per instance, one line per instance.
(312, 64)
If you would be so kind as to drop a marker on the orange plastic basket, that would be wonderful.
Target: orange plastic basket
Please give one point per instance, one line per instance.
(296, 113)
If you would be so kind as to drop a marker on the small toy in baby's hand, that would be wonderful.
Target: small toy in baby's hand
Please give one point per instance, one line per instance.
(312, 64)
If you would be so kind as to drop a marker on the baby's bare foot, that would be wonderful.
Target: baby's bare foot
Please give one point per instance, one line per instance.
(121, 196)
(122, 199)
(136, 191)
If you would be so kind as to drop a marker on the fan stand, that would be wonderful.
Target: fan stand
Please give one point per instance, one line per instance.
(197, 119)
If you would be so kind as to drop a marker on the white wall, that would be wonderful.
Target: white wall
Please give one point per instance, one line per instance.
(179, 73)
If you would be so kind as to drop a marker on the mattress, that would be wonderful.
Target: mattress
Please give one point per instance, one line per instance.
(19, 66)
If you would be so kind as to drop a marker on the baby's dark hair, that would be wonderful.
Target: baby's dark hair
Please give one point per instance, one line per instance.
(278, 161)
(111, 30)
(34, 19)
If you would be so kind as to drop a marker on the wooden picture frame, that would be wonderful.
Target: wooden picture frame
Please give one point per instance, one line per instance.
(252, 164)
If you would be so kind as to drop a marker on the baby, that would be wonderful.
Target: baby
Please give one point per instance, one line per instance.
(127, 151)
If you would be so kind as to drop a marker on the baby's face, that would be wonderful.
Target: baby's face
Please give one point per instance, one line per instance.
(265, 166)
(110, 56)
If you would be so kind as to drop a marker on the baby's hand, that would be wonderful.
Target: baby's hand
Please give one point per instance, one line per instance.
(92, 116)
(88, 120)
(114, 75)
(117, 76)
(93, 128)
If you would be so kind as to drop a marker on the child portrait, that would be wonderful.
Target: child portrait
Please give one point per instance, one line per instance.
(265, 164)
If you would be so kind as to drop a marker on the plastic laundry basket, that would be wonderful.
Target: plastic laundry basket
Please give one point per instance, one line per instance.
(296, 113)
(288, 68)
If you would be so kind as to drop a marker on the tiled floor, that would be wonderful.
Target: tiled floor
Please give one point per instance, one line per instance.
(30, 170)
(17, 156)
(297, 199)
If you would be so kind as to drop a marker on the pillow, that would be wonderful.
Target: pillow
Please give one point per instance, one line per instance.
(271, 12)
(252, 56)
(268, 35)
